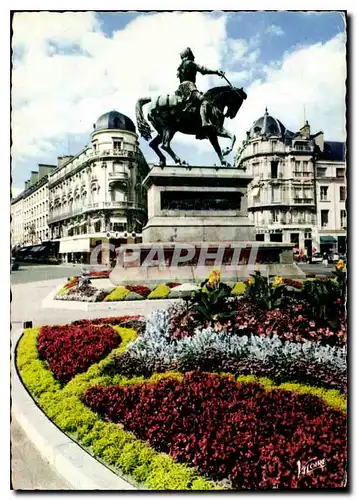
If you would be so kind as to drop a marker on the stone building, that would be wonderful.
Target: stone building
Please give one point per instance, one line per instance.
(29, 210)
(96, 196)
(331, 198)
(283, 198)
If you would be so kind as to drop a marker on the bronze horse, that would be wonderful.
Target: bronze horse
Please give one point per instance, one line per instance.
(170, 114)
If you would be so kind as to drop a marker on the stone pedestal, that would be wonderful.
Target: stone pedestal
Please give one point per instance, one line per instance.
(188, 204)
(197, 220)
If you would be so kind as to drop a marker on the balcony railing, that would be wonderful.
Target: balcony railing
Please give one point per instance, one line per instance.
(306, 201)
(101, 205)
(118, 175)
(106, 153)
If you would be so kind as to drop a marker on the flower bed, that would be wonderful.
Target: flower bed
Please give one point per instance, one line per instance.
(169, 463)
(157, 351)
(231, 432)
(69, 350)
(150, 407)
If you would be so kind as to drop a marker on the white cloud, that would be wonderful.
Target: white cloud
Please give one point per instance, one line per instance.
(273, 29)
(311, 76)
(57, 93)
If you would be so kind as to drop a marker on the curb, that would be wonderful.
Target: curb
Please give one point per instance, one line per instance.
(69, 460)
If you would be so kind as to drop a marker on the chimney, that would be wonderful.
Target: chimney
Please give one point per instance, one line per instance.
(33, 178)
(63, 159)
(44, 170)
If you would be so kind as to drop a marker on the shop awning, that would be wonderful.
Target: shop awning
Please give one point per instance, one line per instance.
(328, 239)
(75, 245)
(118, 220)
(95, 220)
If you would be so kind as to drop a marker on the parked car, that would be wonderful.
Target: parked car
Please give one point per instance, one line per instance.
(14, 264)
(333, 257)
(315, 258)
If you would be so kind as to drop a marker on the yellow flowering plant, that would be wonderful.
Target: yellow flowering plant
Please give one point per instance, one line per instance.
(209, 303)
(267, 295)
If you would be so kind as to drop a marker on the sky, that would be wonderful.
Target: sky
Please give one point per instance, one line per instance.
(69, 68)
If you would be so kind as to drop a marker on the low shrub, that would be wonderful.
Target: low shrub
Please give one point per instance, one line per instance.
(116, 295)
(134, 296)
(69, 350)
(160, 292)
(231, 431)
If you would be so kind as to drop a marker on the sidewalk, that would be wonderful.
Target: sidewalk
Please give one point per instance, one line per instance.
(29, 470)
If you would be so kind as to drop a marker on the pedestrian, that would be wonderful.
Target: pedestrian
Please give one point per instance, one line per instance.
(324, 259)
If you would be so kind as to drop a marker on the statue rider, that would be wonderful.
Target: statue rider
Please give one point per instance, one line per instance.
(186, 73)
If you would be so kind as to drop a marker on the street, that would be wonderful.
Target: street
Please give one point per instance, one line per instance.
(318, 269)
(40, 272)
(31, 273)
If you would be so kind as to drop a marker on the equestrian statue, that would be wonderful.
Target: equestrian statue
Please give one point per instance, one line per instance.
(190, 111)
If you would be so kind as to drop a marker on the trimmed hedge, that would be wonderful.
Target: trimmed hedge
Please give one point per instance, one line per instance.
(160, 292)
(116, 295)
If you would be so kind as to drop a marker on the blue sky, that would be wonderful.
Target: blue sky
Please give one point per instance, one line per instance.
(70, 68)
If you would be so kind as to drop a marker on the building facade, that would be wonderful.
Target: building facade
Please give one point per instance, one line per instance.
(283, 198)
(29, 210)
(331, 196)
(96, 197)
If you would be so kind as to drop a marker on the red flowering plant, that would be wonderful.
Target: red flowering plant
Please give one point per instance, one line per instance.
(70, 349)
(113, 320)
(241, 434)
(139, 289)
(172, 284)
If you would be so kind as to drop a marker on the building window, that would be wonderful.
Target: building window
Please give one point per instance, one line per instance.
(276, 237)
(342, 193)
(119, 227)
(255, 168)
(259, 237)
(321, 172)
(116, 144)
(323, 193)
(307, 236)
(275, 194)
(294, 238)
(273, 145)
(274, 169)
(343, 218)
(324, 218)
(275, 216)
(340, 172)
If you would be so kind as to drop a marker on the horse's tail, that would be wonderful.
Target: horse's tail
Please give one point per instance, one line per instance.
(143, 126)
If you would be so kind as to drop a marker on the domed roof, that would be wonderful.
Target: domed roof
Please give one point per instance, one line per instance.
(267, 125)
(114, 120)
